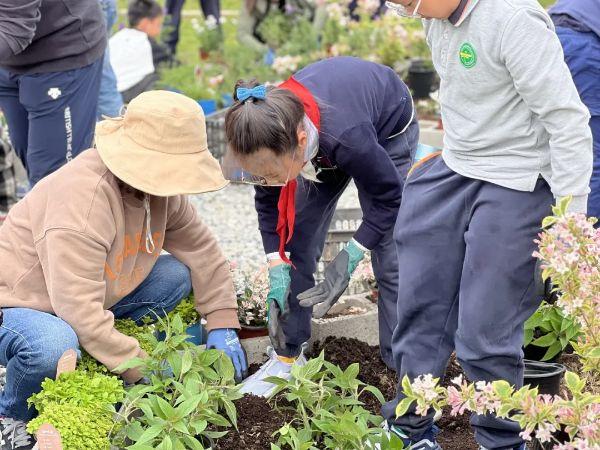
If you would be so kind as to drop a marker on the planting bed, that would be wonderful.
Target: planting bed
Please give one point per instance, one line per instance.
(456, 432)
(257, 421)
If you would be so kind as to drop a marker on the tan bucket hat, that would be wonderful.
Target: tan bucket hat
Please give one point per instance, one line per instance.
(159, 146)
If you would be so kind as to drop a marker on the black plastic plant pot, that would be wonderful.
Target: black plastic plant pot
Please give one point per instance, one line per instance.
(421, 77)
(545, 376)
(535, 353)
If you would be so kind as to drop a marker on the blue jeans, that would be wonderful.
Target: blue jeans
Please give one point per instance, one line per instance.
(31, 341)
(109, 99)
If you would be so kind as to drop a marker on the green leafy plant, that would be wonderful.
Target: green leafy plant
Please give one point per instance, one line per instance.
(190, 393)
(550, 328)
(80, 427)
(186, 309)
(79, 388)
(128, 327)
(329, 411)
(209, 34)
(80, 406)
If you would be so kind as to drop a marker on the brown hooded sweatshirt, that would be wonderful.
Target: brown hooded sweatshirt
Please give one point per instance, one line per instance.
(76, 245)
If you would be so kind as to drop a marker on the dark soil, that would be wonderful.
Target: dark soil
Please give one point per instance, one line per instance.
(257, 421)
(456, 432)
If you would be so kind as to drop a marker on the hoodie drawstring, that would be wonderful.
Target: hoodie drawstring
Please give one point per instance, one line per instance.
(150, 247)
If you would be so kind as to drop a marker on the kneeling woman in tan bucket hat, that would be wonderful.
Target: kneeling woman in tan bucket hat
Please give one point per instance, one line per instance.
(84, 246)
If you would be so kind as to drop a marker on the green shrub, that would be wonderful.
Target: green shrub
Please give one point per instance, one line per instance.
(80, 427)
(80, 389)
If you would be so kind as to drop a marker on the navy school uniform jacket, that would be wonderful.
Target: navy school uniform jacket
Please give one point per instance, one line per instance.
(361, 104)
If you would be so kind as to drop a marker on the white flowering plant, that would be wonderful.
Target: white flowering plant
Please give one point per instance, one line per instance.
(364, 273)
(286, 65)
(252, 290)
(569, 248)
(209, 34)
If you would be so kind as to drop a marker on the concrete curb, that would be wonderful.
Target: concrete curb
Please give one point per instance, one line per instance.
(363, 327)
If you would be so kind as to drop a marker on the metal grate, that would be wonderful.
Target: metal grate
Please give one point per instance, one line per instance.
(344, 224)
(215, 133)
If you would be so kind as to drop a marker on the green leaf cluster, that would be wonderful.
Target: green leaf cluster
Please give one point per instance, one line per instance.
(555, 329)
(289, 33)
(329, 410)
(186, 309)
(79, 388)
(80, 406)
(128, 327)
(80, 427)
(190, 393)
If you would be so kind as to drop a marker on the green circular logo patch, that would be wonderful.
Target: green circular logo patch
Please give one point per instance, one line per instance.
(467, 55)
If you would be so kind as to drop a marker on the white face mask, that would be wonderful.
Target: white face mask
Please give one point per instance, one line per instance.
(402, 10)
(312, 147)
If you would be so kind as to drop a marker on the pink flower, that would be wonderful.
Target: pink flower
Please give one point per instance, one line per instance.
(544, 432)
(456, 401)
(526, 434)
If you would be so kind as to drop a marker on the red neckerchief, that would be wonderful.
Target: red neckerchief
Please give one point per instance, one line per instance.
(287, 198)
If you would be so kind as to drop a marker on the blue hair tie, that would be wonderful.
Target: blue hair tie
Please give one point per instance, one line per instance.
(258, 93)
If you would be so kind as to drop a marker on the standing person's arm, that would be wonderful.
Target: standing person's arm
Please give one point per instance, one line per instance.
(189, 240)
(246, 23)
(533, 55)
(18, 22)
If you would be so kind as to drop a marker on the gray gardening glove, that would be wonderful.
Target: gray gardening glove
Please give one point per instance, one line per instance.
(337, 277)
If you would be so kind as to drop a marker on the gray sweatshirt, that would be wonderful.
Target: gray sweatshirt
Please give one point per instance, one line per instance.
(41, 36)
(510, 109)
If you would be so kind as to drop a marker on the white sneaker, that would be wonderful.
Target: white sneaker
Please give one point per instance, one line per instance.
(274, 367)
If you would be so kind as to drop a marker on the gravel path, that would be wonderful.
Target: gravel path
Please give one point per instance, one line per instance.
(231, 216)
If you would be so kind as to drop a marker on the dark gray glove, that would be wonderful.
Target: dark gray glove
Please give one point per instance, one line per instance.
(276, 333)
(337, 277)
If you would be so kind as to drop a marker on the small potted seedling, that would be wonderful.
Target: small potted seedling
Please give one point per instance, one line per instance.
(548, 332)
(252, 290)
(363, 277)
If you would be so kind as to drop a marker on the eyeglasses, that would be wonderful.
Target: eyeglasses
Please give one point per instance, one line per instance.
(403, 11)
(233, 171)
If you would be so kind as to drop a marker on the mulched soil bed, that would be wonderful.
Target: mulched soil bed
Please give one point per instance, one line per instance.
(456, 432)
(257, 421)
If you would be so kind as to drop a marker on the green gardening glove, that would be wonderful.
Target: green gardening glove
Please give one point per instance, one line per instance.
(277, 303)
(337, 277)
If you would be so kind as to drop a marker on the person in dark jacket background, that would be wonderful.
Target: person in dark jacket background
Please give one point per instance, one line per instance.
(50, 69)
(578, 28)
(336, 120)
(173, 11)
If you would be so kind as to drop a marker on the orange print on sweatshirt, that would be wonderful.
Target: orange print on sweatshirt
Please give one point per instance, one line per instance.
(133, 244)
